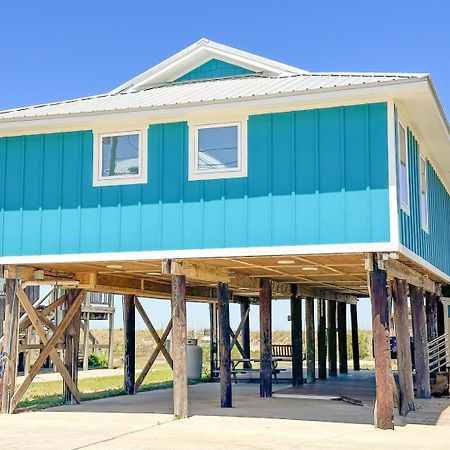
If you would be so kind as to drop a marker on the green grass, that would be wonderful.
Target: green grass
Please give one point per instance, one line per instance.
(46, 394)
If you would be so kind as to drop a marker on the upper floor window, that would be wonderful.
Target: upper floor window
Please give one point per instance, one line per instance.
(403, 167)
(120, 158)
(217, 150)
(423, 192)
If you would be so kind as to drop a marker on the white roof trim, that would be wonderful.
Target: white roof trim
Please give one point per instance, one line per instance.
(196, 55)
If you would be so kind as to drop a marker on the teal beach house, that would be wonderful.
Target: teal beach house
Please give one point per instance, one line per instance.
(223, 166)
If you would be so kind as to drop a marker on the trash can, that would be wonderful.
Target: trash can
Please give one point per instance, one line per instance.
(194, 359)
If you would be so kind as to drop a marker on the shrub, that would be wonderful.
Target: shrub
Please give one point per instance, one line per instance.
(97, 361)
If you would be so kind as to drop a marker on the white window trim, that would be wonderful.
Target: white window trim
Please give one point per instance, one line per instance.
(403, 206)
(118, 180)
(425, 226)
(239, 172)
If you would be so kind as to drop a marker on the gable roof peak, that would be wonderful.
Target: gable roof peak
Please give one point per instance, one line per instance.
(199, 53)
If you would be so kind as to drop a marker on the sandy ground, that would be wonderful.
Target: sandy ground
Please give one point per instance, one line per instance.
(145, 421)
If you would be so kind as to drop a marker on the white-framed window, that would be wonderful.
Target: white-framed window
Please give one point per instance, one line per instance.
(120, 158)
(217, 150)
(423, 192)
(403, 170)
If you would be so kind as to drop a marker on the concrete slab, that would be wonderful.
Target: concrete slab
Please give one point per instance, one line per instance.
(145, 421)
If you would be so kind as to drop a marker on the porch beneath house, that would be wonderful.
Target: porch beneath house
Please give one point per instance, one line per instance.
(320, 288)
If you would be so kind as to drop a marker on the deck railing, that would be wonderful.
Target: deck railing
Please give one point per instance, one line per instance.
(438, 350)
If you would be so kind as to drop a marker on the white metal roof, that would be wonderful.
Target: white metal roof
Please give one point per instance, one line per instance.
(204, 91)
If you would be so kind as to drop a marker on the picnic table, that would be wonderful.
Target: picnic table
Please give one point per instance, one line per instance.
(235, 369)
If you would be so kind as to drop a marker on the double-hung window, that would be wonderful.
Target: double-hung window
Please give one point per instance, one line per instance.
(403, 167)
(120, 158)
(217, 150)
(423, 193)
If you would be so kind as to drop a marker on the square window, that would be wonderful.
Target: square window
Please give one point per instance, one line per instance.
(217, 151)
(120, 158)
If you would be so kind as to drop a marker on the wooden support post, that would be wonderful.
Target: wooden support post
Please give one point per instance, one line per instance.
(72, 346)
(321, 338)
(111, 337)
(384, 406)
(406, 387)
(431, 309)
(342, 336)
(212, 339)
(421, 360)
(441, 317)
(265, 320)
(296, 337)
(8, 363)
(223, 299)
(245, 313)
(355, 338)
(86, 343)
(332, 348)
(2, 316)
(129, 325)
(179, 351)
(310, 341)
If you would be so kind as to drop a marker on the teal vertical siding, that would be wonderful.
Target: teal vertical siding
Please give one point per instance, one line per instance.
(214, 68)
(433, 246)
(314, 177)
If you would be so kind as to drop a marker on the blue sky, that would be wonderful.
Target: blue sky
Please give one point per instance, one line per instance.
(53, 50)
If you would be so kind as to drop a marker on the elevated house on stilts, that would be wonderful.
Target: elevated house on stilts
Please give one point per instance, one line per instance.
(220, 176)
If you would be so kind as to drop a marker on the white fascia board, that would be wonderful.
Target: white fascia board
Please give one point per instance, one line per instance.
(199, 53)
(323, 249)
(425, 264)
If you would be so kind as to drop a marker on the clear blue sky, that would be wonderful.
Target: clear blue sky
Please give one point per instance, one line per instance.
(53, 50)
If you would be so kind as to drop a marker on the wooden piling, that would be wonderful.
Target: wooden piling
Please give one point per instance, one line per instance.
(245, 333)
(72, 346)
(431, 309)
(224, 345)
(384, 417)
(342, 336)
(265, 320)
(332, 349)
(179, 351)
(10, 348)
(441, 317)
(355, 337)
(310, 341)
(405, 376)
(129, 325)
(321, 338)
(421, 359)
(296, 337)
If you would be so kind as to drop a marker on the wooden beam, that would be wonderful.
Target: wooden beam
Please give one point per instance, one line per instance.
(355, 337)
(431, 309)
(396, 269)
(179, 352)
(421, 357)
(384, 407)
(296, 337)
(404, 365)
(245, 334)
(310, 341)
(223, 298)
(153, 331)
(49, 349)
(8, 363)
(129, 325)
(332, 345)
(265, 320)
(322, 338)
(199, 272)
(342, 337)
(72, 347)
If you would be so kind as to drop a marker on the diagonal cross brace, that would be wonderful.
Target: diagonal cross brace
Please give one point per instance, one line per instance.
(153, 331)
(49, 349)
